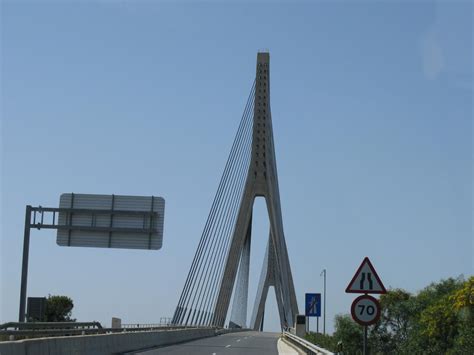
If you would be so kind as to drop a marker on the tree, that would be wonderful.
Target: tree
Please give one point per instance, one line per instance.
(435, 324)
(325, 341)
(463, 304)
(464, 297)
(392, 330)
(349, 334)
(59, 309)
(439, 325)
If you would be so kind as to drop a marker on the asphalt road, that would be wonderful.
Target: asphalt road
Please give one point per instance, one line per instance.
(251, 343)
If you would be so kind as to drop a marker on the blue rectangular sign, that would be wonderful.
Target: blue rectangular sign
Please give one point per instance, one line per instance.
(313, 305)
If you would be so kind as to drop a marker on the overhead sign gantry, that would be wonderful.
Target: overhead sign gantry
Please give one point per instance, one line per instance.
(100, 221)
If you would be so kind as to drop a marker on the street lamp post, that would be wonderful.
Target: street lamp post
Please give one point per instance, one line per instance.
(324, 291)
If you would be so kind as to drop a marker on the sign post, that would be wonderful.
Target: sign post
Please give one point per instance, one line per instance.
(364, 349)
(324, 289)
(24, 265)
(312, 306)
(365, 309)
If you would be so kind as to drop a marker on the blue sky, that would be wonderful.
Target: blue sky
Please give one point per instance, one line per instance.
(372, 116)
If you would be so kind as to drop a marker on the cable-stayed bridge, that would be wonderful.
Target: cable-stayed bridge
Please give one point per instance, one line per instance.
(220, 268)
(219, 271)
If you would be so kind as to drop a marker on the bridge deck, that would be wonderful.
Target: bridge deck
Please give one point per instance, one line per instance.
(251, 343)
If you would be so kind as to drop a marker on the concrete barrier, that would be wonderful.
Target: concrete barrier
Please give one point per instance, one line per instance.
(115, 343)
(304, 345)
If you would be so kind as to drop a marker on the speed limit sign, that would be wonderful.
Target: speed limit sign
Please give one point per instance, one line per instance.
(365, 310)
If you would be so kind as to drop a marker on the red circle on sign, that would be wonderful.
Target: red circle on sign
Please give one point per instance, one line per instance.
(364, 315)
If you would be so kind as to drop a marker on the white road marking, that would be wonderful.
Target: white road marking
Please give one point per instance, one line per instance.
(238, 340)
(227, 346)
(213, 353)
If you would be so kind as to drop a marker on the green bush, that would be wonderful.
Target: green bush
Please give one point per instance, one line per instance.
(321, 340)
(437, 320)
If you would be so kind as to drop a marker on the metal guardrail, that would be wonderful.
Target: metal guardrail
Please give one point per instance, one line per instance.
(144, 325)
(51, 329)
(49, 325)
(305, 345)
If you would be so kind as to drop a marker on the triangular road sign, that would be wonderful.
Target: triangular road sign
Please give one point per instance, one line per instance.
(366, 280)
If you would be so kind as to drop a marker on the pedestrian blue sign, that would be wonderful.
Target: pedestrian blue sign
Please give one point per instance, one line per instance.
(313, 305)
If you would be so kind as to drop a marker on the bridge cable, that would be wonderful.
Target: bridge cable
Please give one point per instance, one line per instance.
(233, 218)
(195, 267)
(227, 227)
(216, 233)
(202, 244)
(222, 257)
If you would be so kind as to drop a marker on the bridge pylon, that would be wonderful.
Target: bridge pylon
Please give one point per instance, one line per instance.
(259, 179)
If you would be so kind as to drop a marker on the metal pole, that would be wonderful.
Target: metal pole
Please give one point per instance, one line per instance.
(324, 314)
(365, 340)
(24, 267)
(317, 324)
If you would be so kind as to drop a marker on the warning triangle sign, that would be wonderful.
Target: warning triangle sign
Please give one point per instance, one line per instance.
(366, 280)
